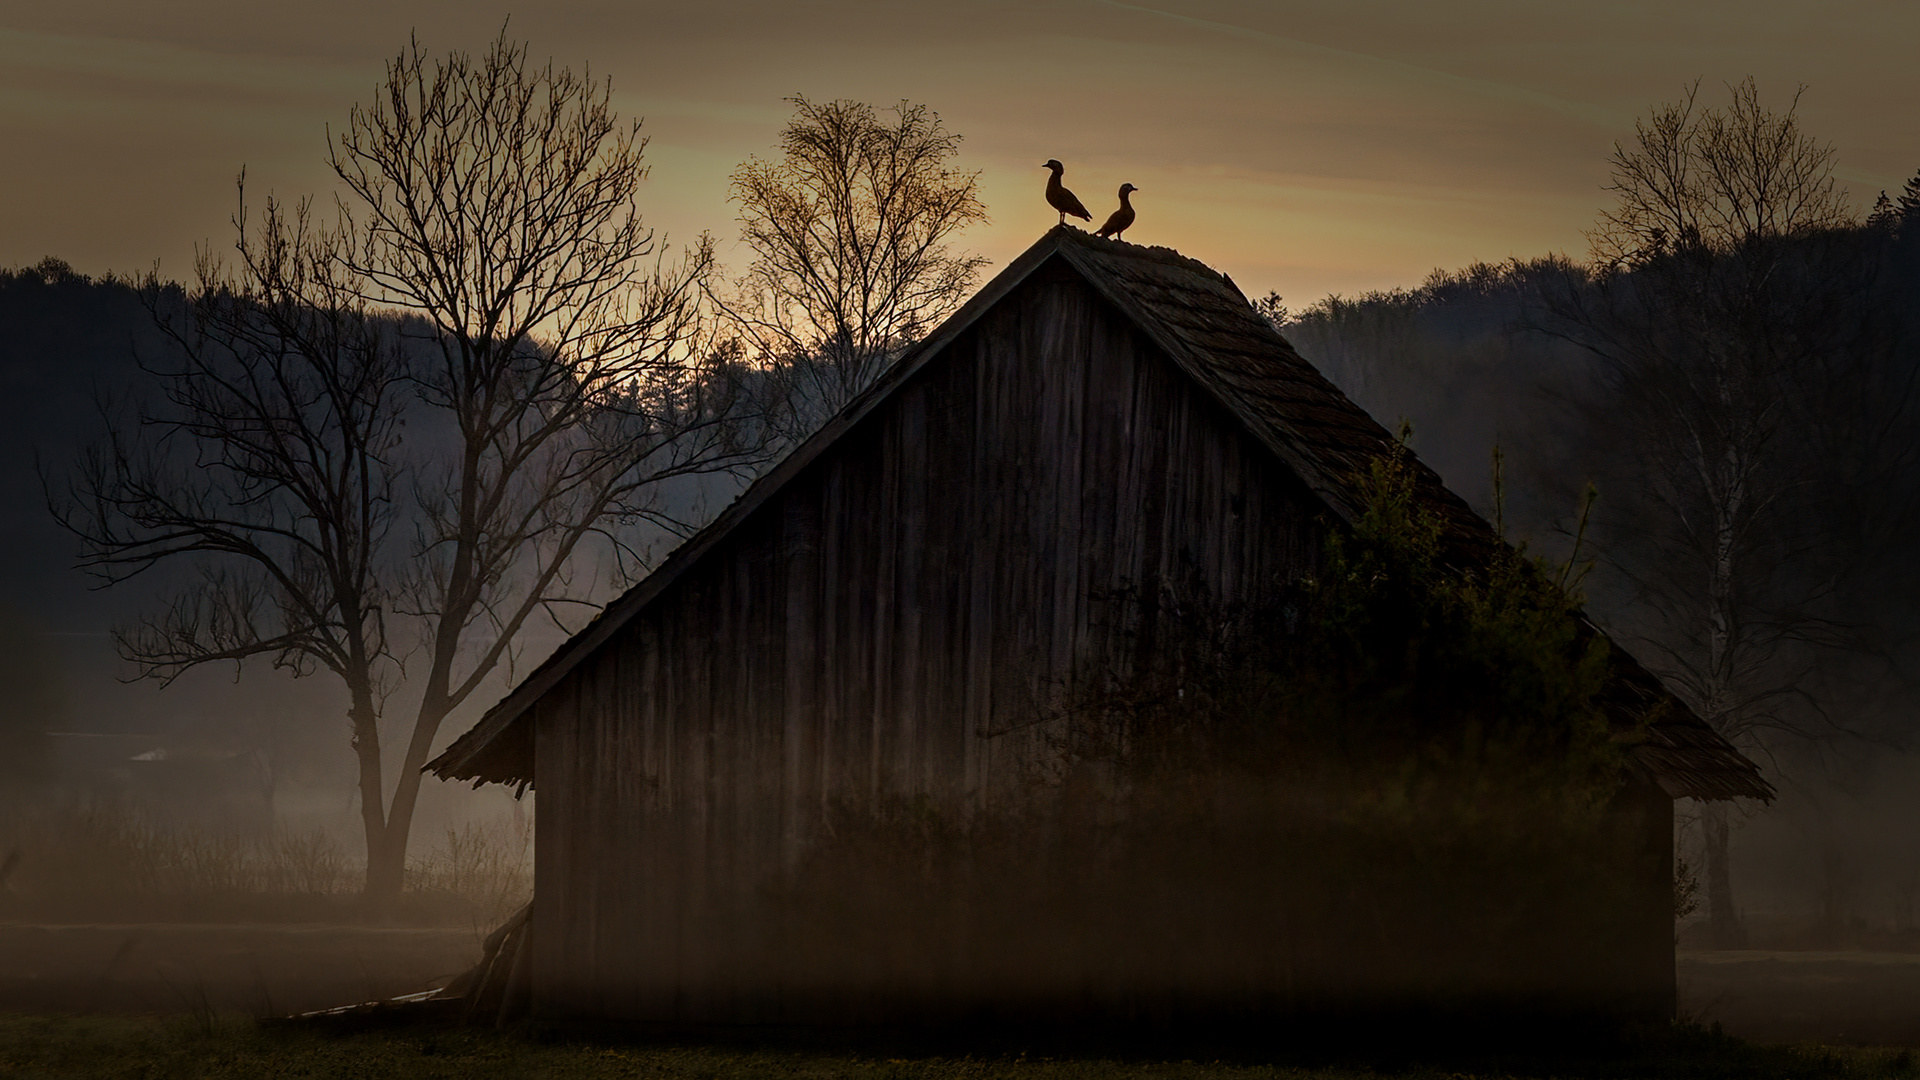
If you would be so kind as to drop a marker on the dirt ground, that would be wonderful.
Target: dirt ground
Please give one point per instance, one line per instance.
(1767, 996)
(261, 970)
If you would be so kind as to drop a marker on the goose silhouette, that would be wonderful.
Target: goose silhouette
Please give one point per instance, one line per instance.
(1060, 198)
(1121, 218)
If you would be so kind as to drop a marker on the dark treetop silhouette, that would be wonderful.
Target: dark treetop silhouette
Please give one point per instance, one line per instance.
(1060, 198)
(1122, 219)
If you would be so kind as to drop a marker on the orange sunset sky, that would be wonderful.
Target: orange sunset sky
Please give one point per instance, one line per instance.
(1308, 147)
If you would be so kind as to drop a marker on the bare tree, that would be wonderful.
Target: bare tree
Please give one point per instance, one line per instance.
(269, 459)
(1729, 309)
(490, 206)
(1706, 180)
(849, 233)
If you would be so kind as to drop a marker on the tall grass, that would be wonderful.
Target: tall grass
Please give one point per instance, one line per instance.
(103, 865)
(488, 865)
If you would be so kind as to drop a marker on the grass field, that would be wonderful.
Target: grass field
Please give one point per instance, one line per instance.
(205, 1047)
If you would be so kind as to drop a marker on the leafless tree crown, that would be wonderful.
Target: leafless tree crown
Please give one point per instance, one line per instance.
(498, 199)
(850, 235)
(1699, 175)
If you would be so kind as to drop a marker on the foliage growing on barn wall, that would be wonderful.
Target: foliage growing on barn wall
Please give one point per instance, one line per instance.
(1476, 680)
(1415, 681)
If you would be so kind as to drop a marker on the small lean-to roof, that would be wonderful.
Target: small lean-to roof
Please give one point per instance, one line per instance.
(1200, 319)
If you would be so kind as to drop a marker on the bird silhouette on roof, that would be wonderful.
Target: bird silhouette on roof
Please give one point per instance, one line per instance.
(1060, 198)
(1121, 218)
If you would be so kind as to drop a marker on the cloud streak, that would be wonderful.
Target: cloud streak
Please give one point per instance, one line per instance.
(1412, 73)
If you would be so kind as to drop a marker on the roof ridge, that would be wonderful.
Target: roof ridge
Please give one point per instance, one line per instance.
(1165, 256)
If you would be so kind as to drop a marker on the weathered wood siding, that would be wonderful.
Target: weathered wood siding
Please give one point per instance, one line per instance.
(888, 626)
(882, 635)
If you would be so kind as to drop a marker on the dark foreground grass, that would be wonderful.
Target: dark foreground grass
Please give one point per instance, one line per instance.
(212, 1048)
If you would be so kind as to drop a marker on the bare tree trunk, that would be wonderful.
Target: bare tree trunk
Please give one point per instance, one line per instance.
(386, 865)
(382, 883)
(1723, 920)
(1727, 494)
(387, 861)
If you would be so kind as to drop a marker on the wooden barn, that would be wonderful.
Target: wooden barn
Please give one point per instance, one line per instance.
(811, 768)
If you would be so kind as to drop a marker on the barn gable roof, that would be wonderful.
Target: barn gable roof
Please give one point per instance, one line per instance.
(1200, 319)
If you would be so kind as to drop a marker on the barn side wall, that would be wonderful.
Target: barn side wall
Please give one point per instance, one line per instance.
(823, 777)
